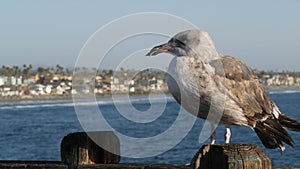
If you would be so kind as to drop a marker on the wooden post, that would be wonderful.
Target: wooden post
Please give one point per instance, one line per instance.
(231, 156)
(79, 149)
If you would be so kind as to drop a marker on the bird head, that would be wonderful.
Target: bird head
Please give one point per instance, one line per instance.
(187, 43)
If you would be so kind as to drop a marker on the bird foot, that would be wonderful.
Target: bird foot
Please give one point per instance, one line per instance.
(213, 137)
(227, 136)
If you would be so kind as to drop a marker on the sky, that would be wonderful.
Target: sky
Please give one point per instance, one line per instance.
(263, 34)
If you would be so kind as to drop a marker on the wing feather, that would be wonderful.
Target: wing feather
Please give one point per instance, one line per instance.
(243, 87)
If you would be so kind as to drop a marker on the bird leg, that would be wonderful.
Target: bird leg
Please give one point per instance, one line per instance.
(227, 135)
(213, 134)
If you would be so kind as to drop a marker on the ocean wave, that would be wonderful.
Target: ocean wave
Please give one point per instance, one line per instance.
(283, 91)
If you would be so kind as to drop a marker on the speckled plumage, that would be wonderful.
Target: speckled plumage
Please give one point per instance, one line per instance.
(204, 81)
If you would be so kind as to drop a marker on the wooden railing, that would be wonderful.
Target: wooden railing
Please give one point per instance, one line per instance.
(79, 151)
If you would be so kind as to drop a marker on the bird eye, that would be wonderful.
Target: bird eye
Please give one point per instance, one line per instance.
(176, 43)
(173, 43)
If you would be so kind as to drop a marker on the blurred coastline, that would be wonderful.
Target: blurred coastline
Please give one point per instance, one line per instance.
(52, 98)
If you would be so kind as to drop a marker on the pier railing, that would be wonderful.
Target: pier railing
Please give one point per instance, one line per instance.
(78, 151)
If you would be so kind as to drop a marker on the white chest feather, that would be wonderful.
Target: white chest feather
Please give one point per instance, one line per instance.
(190, 83)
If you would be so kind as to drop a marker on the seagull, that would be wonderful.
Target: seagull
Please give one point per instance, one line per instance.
(222, 89)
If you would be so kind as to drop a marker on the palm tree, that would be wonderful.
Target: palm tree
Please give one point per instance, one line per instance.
(26, 70)
(104, 72)
(16, 71)
(6, 71)
(59, 69)
(110, 72)
(40, 70)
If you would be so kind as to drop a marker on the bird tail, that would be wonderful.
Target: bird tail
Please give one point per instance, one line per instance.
(289, 123)
(272, 134)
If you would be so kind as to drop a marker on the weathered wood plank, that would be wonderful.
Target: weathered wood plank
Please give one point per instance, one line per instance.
(134, 166)
(32, 165)
(80, 149)
(231, 156)
(60, 165)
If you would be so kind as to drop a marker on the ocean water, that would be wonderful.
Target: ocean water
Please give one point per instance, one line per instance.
(34, 130)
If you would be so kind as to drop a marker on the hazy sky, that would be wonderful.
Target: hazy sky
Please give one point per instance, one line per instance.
(264, 34)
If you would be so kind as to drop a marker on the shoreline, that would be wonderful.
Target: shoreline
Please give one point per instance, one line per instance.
(281, 88)
(15, 99)
(50, 98)
(54, 98)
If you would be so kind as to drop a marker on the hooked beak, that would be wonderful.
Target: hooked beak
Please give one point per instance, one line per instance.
(159, 49)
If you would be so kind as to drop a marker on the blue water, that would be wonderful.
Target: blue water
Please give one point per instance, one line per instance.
(33, 131)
